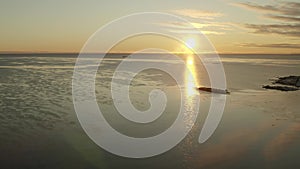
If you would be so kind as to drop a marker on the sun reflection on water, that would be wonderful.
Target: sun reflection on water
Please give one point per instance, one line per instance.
(190, 97)
(191, 93)
(190, 76)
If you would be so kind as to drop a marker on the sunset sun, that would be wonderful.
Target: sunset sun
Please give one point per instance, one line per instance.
(191, 43)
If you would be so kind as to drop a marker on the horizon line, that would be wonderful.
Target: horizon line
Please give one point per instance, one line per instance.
(128, 53)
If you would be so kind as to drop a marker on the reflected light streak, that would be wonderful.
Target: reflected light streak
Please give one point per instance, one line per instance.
(190, 91)
(190, 76)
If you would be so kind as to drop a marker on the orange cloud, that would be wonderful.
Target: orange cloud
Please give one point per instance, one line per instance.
(197, 14)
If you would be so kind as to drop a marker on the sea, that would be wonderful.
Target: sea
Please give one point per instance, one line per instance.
(40, 129)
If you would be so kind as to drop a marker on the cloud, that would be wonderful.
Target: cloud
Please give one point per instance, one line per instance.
(196, 32)
(286, 13)
(277, 45)
(198, 25)
(207, 28)
(256, 6)
(280, 29)
(197, 14)
(282, 8)
(202, 20)
(284, 18)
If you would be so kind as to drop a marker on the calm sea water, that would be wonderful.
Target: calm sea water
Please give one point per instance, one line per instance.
(39, 129)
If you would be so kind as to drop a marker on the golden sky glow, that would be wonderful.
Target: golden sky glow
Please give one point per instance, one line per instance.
(264, 26)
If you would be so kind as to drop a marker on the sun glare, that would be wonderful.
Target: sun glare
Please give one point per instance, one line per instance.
(190, 74)
(191, 43)
(190, 61)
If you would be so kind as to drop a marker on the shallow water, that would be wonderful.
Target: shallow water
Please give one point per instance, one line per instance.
(39, 129)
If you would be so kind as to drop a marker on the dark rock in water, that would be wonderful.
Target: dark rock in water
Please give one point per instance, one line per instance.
(281, 88)
(289, 80)
(287, 83)
(212, 90)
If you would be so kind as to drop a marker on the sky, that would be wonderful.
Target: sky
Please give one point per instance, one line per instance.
(232, 26)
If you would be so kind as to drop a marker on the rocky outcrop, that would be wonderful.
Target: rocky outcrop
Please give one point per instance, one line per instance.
(287, 83)
(289, 80)
(282, 88)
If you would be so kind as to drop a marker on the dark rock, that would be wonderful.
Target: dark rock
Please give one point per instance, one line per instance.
(281, 88)
(288, 80)
(287, 83)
